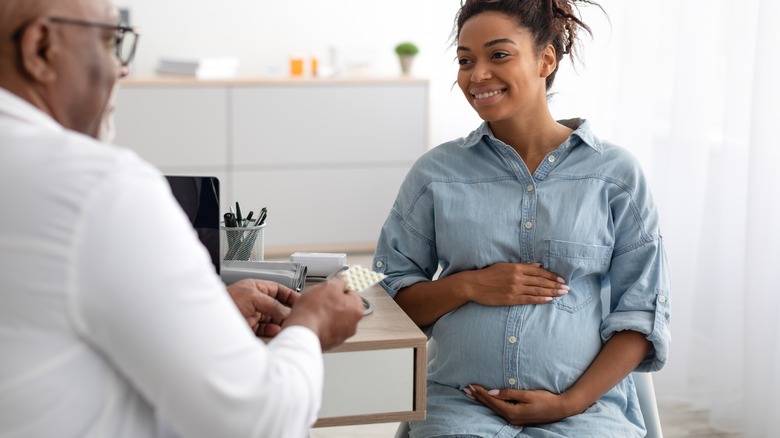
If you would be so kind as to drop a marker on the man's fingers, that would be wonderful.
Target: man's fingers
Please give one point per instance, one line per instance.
(277, 291)
(268, 329)
(270, 308)
(286, 296)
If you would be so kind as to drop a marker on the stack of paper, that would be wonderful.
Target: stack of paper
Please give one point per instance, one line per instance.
(201, 68)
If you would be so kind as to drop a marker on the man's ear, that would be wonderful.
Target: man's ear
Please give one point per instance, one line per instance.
(547, 61)
(35, 49)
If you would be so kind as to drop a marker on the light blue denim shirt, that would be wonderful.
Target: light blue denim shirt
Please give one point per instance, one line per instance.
(587, 215)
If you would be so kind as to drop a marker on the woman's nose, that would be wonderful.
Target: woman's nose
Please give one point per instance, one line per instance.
(480, 73)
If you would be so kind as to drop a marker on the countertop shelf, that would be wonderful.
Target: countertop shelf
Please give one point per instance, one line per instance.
(185, 80)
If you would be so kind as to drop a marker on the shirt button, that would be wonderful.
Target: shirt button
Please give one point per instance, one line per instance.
(512, 339)
(529, 225)
(662, 299)
(530, 188)
(379, 263)
(551, 159)
(512, 381)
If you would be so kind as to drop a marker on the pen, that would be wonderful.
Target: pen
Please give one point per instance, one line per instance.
(230, 222)
(238, 215)
(261, 217)
(248, 219)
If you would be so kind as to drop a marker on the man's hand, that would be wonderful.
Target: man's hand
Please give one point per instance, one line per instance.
(329, 310)
(522, 408)
(264, 304)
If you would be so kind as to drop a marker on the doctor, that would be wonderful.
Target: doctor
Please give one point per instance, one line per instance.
(112, 321)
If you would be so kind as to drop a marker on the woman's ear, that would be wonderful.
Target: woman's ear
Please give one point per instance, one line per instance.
(547, 61)
(36, 44)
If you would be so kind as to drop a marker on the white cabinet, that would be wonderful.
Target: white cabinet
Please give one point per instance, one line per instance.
(326, 157)
(340, 126)
(175, 126)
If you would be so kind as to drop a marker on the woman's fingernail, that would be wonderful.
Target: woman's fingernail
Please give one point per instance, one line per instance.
(467, 391)
(493, 392)
(548, 299)
(563, 291)
(561, 280)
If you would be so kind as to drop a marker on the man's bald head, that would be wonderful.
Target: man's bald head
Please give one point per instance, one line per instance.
(15, 13)
(59, 56)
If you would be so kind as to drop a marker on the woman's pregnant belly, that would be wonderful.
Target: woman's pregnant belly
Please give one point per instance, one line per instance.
(524, 347)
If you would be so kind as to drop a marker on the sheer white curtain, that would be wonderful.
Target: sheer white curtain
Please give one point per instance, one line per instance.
(693, 88)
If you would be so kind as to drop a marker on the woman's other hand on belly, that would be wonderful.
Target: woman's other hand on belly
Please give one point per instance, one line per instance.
(522, 407)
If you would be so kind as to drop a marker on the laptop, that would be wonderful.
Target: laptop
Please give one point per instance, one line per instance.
(199, 198)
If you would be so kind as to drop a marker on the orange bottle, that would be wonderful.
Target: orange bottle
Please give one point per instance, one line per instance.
(296, 66)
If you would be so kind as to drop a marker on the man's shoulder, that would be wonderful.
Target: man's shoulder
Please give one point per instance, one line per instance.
(86, 154)
(60, 156)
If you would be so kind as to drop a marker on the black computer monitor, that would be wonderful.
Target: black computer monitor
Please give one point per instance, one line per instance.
(199, 198)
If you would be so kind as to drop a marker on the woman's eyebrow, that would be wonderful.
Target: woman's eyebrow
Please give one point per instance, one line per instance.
(500, 41)
(490, 44)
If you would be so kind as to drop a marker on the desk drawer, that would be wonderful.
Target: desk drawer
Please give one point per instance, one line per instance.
(368, 382)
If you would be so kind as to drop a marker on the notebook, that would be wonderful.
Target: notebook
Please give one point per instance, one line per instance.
(199, 198)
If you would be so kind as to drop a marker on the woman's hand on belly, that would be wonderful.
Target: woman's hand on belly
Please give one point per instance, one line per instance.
(509, 284)
(501, 284)
(521, 407)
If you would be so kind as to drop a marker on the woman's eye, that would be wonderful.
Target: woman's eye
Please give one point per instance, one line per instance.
(463, 61)
(500, 55)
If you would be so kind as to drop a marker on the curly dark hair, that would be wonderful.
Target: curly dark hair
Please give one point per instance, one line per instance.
(555, 22)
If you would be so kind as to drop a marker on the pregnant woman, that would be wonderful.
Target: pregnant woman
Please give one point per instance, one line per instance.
(552, 282)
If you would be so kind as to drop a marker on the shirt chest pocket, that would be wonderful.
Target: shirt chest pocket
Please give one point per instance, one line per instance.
(582, 266)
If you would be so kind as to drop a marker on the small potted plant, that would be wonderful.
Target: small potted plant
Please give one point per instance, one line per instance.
(406, 52)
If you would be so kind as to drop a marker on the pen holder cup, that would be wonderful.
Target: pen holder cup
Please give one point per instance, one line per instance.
(242, 243)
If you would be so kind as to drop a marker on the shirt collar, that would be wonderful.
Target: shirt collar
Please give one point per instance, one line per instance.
(14, 106)
(581, 129)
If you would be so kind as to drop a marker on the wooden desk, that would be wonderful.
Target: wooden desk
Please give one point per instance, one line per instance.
(379, 374)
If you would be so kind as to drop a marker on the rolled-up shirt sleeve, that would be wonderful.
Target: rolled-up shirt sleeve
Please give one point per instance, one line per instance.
(640, 300)
(639, 276)
(406, 248)
(399, 250)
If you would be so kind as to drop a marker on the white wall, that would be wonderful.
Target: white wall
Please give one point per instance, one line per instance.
(263, 34)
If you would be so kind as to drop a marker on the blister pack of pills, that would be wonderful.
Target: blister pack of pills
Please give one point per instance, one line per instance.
(359, 278)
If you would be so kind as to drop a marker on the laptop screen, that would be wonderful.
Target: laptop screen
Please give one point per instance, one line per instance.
(199, 198)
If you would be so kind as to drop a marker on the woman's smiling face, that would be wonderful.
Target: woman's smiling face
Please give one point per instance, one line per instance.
(501, 73)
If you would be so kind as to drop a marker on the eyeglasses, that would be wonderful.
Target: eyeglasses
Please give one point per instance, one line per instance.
(125, 41)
